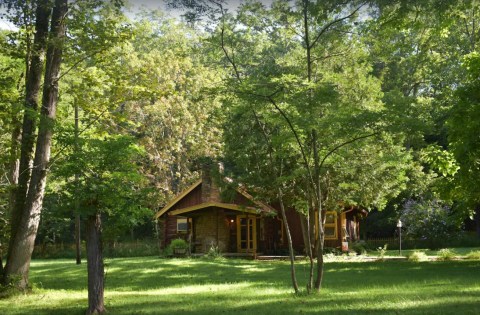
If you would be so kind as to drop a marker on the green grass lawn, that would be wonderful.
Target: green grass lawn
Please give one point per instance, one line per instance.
(149, 285)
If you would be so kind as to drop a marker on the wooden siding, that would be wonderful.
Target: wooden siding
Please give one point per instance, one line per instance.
(191, 199)
(295, 230)
(242, 200)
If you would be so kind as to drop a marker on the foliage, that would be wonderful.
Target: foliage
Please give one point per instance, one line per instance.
(359, 247)
(463, 125)
(446, 254)
(177, 243)
(417, 256)
(429, 220)
(381, 252)
(213, 252)
(474, 255)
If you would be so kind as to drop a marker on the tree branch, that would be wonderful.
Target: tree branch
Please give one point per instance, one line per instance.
(327, 27)
(344, 144)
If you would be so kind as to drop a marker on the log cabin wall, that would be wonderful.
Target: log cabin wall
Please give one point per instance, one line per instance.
(295, 230)
(170, 230)
(212, 227)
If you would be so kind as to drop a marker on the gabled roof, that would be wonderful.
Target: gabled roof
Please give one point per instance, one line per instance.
(262, 207)
(177, 199)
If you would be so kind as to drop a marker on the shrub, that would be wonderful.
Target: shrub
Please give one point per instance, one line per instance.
(445, 254)
(177, 246)
(417, 256)
(213, 252)
(382, 251)
(332, 251)
(474, 255)
(359, 247)
(430, 220)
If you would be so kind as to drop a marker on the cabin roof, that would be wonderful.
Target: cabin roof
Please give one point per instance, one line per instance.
(260, 206)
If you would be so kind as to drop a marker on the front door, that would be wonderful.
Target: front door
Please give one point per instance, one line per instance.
(246, 234)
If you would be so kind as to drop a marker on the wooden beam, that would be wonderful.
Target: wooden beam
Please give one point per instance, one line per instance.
(216, 204)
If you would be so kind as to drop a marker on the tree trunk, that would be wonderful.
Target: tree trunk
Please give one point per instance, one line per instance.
(14, 162)
(304, 223)
(320, 216)
(22, 247)
(78, 242)
(320, 246)
(32, 89)
(476, 217)
(95, 265)
(289, 241)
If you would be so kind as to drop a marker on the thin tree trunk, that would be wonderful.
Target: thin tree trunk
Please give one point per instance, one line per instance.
(289, 241)
(304, 224)
(78, 243)
(78, 248)
(32, 90)
(320, 220)
(311, 237)
(23, 242)
(95, 265)
(14, 161)
(476, 217)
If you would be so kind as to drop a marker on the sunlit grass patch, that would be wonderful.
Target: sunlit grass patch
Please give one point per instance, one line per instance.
(149, 285)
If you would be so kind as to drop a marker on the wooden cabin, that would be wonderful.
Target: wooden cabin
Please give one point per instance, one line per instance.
(242, 224)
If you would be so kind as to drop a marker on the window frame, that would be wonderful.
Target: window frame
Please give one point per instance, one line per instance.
(182, 220)
(333, 225)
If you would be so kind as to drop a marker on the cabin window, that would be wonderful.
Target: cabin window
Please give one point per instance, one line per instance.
(331, 225)
(182, 225)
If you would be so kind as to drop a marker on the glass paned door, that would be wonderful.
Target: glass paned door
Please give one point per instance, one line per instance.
(246, 234)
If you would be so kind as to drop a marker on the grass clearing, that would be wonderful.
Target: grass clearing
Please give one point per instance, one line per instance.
(148, 285)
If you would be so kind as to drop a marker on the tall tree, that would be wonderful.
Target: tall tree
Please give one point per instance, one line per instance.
(305, 84)
(30, 193)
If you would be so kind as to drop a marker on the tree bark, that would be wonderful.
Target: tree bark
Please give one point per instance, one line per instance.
(476, 217)
(320, 220)
(95, 265)
(289, 241)
(22, 246)
(32, 90)
(304, 224)
(320, 265)
(14, 162)
(78, 242)
(78, 248)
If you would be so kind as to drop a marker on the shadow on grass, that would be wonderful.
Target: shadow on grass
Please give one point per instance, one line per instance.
(194, 286)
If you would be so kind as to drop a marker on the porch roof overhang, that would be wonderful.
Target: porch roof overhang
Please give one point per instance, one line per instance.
(228, 206)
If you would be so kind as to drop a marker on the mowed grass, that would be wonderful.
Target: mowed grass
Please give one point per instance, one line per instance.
(148, 285)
